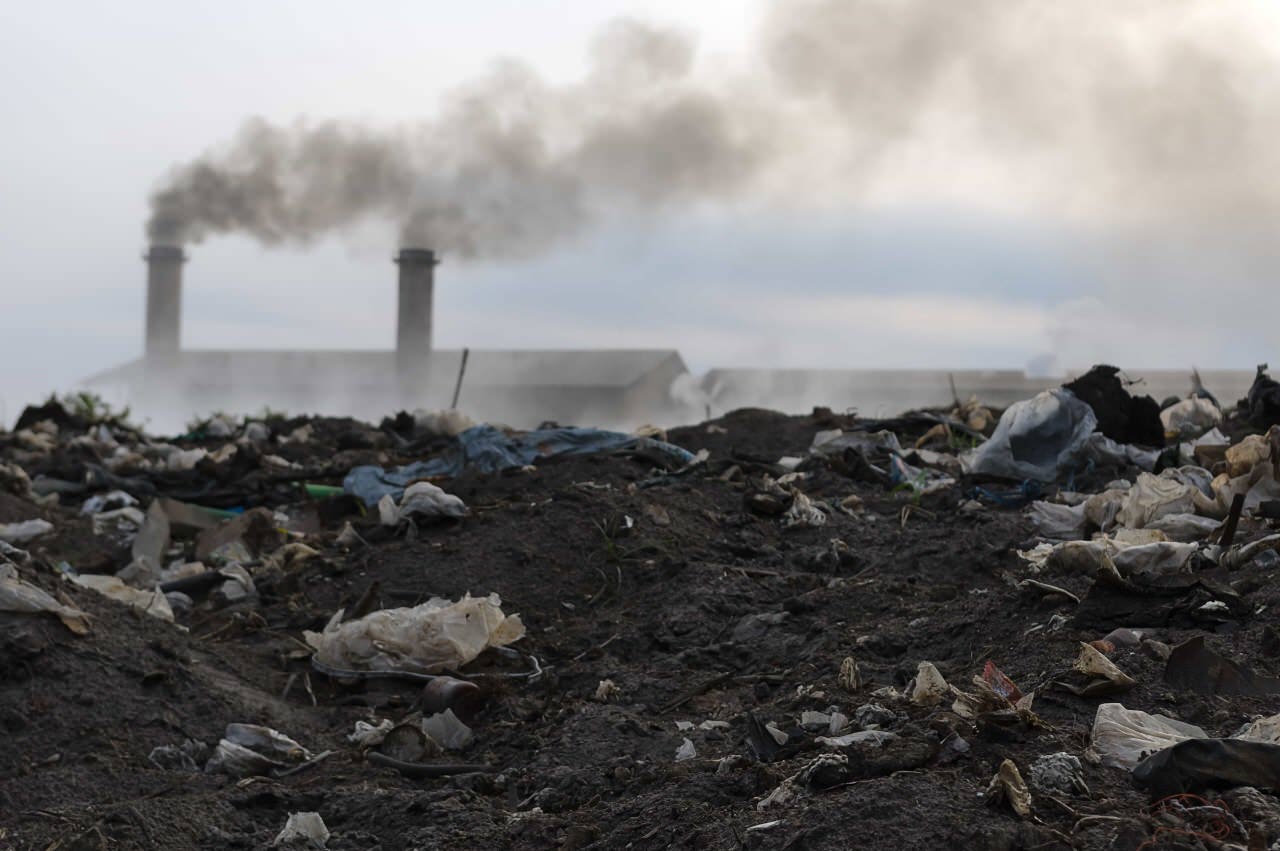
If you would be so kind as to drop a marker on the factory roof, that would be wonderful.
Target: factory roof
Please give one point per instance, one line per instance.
(485, 367)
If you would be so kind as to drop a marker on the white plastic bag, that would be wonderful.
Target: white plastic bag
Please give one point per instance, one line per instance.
(434, 636)
(1124, 737)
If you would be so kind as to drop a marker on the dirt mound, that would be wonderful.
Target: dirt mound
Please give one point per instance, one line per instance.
(691, 625)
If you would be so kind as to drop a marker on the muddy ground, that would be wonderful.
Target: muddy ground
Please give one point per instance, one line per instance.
(701, 610)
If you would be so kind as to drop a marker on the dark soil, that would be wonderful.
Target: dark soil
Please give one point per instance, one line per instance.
(701, 610)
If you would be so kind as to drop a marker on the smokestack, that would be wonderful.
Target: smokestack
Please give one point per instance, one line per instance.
(413, 323)
(164, 301)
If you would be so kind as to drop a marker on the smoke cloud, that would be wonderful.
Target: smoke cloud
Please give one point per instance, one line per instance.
(1139, 113)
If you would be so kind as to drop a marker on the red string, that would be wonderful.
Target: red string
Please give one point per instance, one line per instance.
(1209, 827)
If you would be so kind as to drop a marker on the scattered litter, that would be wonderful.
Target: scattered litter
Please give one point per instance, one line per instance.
(686, 751)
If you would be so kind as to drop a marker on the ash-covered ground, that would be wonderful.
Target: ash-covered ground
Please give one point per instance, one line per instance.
(720, 653)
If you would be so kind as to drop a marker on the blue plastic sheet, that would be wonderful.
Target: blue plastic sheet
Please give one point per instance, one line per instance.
(486, 449)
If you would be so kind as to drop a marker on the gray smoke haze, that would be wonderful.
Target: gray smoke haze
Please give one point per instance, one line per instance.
(1137, 112)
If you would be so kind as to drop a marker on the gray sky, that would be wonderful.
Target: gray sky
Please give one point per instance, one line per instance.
(959, 252)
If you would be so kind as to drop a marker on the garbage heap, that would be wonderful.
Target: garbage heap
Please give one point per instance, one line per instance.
(1043, 627)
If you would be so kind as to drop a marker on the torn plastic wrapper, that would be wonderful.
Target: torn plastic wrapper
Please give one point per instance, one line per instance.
(486, 449)
(22, 597)
(429, 638)
(152, 602)
(248, 750)
(27, 530)
(303, 827)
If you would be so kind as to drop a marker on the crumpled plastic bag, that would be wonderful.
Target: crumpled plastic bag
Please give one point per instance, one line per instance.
(1190, 418)
(1105, 452)
(422, 501)
(1152, 497)
(1183, 528)
(1249, 453)
(23, 597)
(1124, 737)
(429, 638)
(1035, 438)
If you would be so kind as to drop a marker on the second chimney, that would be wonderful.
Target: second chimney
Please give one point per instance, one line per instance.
(164, 301)
(413, 320)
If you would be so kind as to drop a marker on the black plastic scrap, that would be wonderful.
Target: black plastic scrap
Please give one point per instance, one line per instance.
(1198, 764)
(1122, 417)
(1263, 401)
(1193, 666)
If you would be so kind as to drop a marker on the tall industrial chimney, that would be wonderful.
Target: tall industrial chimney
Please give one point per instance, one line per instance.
(164, 301)
(413, 323)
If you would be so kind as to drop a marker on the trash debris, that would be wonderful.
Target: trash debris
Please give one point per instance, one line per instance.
(1122, 417)
(802, 513)
(248, 750)
(1059, 773)
(27, 530)
(302, 829)
(1262, 405)
(447, 731)
(686, 751)
(849, 677)
(435, 636)
(1197, 764)
(930, 688)
(1100, 674)
(1194, 666)
(1008, 787)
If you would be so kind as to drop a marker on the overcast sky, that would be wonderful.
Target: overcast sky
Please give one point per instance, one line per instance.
(929, 268)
